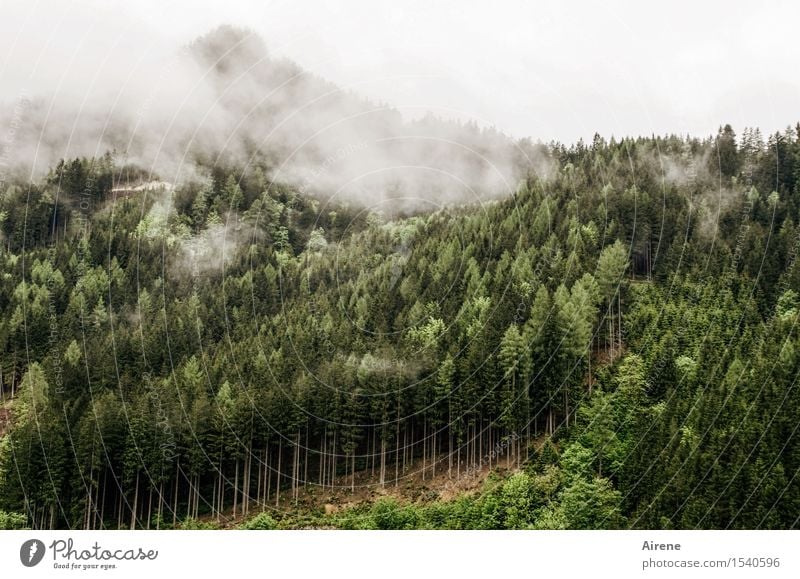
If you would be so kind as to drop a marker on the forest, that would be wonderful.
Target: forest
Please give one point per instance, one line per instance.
(620, 332)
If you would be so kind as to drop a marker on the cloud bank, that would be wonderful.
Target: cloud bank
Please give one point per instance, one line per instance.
(223, 99)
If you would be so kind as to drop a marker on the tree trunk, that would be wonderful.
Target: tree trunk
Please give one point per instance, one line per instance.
(246, 489)
(296, 467)
(383, 458)
(305, 462)
(149, 506)
(449, 453)
(119, 508)
(135, 503)
(268, 476)
(424, 445)
(353, 473)
(278, 477)
(160, 503)
(235, 487)
(259, 483)
(220, 498)
(175, 502)
(434, 453)
(333, 458)
(322, 453)
(196, 496)
(373, 452)
(103, 499)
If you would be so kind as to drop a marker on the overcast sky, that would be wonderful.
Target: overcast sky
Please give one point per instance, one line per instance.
(545, 69)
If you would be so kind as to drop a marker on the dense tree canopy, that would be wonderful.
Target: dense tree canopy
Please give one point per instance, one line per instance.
(624, 328)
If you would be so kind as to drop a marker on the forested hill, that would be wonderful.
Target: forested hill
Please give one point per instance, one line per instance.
(225, 99)
(623, 331)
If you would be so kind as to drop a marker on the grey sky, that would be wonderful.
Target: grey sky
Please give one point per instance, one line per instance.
(549, 70)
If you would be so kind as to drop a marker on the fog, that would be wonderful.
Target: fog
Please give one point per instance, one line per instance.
(222, 98)
(375, 105)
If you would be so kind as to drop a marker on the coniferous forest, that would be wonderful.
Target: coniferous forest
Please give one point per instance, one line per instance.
(613, 344)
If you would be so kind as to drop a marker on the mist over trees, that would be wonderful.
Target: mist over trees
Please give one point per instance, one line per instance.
(223, 99)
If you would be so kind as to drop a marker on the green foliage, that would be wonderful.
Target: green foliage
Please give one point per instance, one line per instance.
(197, 525)
(592, 504)
(261, 522)
(387, 514)
(518, 501)
(12, 521)
(166, 358)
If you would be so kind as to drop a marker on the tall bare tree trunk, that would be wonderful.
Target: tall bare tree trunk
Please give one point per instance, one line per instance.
(149, 505)
(268, 476)
(119, 508)
(434, 454)
(135, 503)
(333, 458)
(383, 459)
(175, 503)
(353, 472)
(424, 445)
(160, 512)
(322, 454)
(305, 461)
(246, 489)
(235, 486)
(103, 500)
(278, 477)
(259, 483)
(373, 453)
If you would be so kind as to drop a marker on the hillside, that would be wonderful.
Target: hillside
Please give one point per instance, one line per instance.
(173, 354)
(223, 99)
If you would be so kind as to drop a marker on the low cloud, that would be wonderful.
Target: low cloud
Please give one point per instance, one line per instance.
(222, 98)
